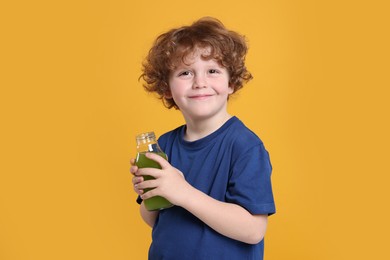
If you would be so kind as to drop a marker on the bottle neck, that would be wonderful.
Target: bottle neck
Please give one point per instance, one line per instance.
(146, 142)
(147, 147)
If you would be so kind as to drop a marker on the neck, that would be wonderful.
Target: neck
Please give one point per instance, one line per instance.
(197, 129)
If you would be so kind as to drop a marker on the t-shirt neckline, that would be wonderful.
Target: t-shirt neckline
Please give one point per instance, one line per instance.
(207, 140)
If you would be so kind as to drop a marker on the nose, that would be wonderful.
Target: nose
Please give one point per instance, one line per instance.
(200, 81)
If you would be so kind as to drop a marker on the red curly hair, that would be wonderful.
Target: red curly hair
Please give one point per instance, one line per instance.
(227, 47)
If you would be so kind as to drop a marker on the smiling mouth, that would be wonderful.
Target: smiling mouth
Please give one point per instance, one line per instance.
(199, 96)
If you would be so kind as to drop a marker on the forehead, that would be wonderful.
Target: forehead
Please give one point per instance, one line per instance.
(188, 56)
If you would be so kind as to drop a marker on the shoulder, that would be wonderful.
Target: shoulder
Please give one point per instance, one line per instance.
(168, 137)
(242, 136)
(245, 145)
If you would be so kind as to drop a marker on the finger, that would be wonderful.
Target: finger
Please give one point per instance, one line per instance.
(137, 179)
(149, 184)
(149, 194)
(155, 173)
(138, 191)
(159, 159)
(136, 187)
(132, 161)
(133, 169)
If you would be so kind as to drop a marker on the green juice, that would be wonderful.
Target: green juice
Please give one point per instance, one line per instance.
(156, 202)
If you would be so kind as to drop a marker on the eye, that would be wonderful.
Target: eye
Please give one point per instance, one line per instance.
(184, 73)
(213, 71)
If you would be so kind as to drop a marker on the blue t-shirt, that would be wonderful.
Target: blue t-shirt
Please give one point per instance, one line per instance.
(230, 165)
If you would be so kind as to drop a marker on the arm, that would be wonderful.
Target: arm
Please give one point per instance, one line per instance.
(148, 216)
(228, 219)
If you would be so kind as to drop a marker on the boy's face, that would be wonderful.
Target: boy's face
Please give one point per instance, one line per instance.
(200, 88)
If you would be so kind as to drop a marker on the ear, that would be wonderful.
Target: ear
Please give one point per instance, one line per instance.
(230, 90)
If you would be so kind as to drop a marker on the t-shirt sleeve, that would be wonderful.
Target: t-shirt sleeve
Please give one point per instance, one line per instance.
(250, 181)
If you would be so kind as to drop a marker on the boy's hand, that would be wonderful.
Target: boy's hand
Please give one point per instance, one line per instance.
(169, 182)
(136, 179)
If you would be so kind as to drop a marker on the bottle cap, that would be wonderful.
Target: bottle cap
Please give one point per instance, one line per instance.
(145, 137)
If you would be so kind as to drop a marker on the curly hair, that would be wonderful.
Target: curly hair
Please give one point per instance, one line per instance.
(228, 48)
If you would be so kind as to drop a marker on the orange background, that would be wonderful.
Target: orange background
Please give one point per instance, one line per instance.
(71, 105)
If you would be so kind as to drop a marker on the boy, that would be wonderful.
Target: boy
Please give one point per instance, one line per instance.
(218, 173)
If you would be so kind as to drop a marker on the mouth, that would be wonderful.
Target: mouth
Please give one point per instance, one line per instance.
(200, 96)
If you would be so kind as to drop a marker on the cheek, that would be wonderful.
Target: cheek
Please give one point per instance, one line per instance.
(177, 88)
(229, 89)
(174, 93)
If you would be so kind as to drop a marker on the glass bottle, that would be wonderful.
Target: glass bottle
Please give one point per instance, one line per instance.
(146, 142)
